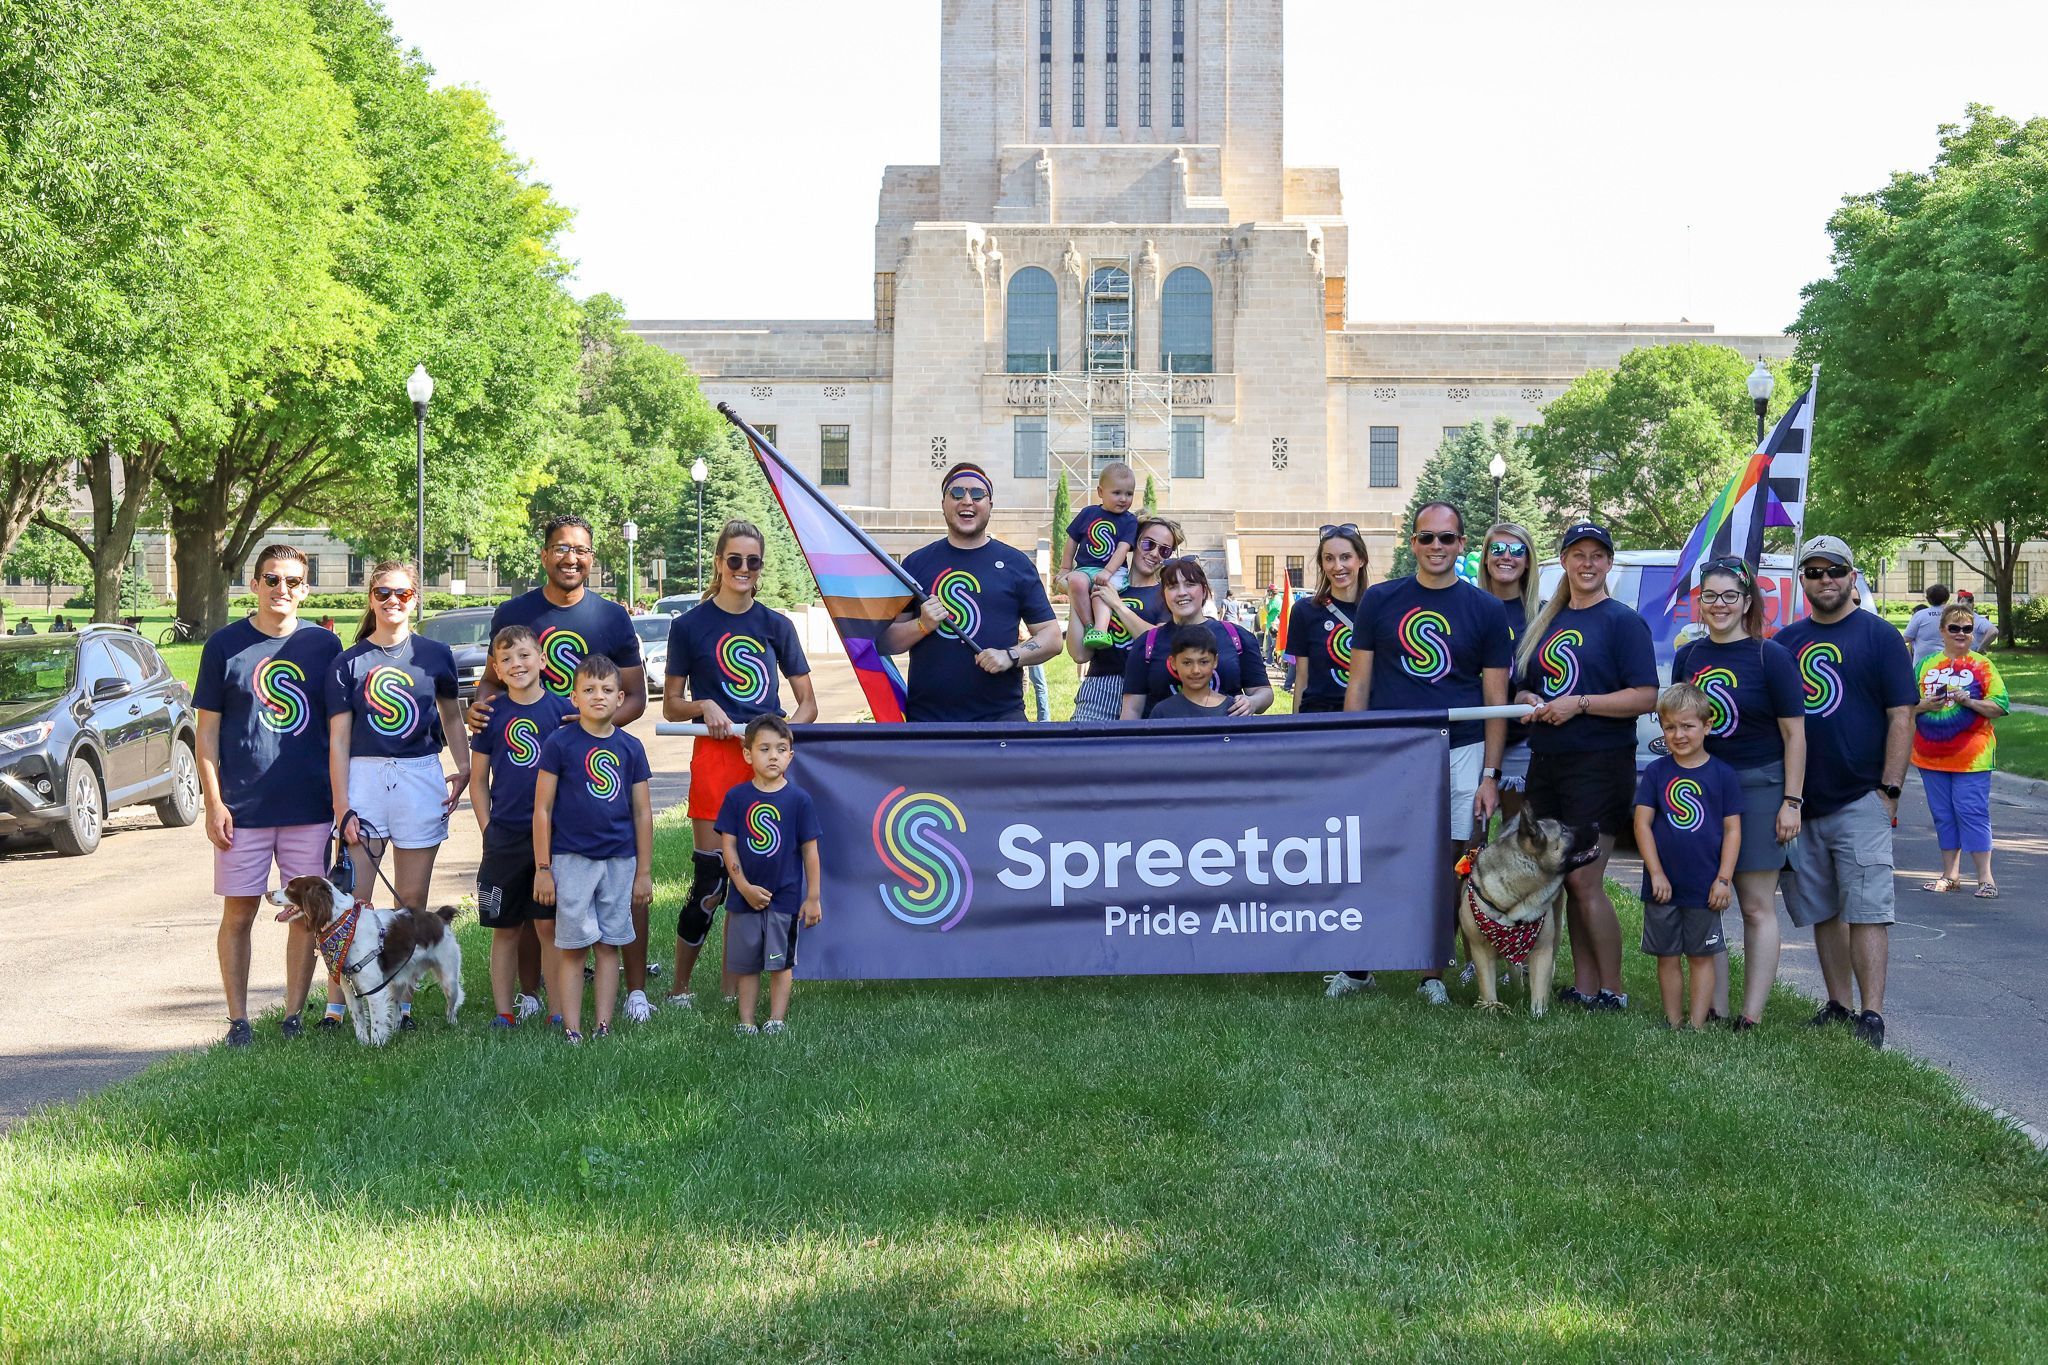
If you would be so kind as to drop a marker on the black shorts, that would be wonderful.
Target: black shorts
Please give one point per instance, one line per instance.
(1317, 705)
(1581, 789)
(504, 883)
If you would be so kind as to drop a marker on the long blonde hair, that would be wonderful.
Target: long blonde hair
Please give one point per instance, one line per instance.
(382, 570)
(1529, 574)
(734, 530)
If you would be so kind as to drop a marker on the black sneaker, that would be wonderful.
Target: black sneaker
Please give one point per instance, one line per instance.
(1743, 1023)
(1571, 995)
(239, 1034)
(294, 1025)
(406, 1024)
(329, 1021)
(1830, 1013)
(1870, 1029)
(1716, 1017)
(1605, 1001)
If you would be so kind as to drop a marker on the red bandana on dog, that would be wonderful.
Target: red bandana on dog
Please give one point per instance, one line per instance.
(1511, 941)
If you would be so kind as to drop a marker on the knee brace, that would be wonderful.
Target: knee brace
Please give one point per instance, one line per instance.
(707, 889)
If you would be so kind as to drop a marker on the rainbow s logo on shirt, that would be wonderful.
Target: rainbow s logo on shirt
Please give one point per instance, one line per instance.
(764, 829)
(1818, 677)
(560, 651)
(742, 667)
(1425, 638)
(1560, 659)
(522, 741)
(1101, 542)
(1685, 804)
(279, 685)
(387, 695)
(1719, 684)
(957, 589)
(601, 768)
(909, 836)
(1337, 644)
(1118, 636)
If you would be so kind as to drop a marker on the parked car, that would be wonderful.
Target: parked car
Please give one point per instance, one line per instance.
(467, 633)
(91, 721)
(676, 604)
(653, 632)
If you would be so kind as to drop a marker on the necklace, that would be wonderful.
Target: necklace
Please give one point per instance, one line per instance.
(386, 650)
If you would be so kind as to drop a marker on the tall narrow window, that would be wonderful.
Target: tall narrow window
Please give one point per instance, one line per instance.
(312, 571)
(1916, 575)
(1297, 570)
(1190, 459)
(1027, 459)
(1109, 319)
(2019, 578)
(355, 571)
(1186, 323)
(1109, 65)
(1045, 63)
(1180, 63)
(1144, 63)
(1033, 325)
(835, 456)
(1262, 572)
(1383, 468)
(1108, 443)
(1080, 64)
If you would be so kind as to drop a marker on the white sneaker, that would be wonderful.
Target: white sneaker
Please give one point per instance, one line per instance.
(1343, 984)
(774, 1026)
(1465, 976)
(639, 1008)
(525, 1007)
(681, 1000)
(1432, 991)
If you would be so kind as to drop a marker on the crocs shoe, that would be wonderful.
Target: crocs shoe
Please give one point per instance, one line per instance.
(1098, 639)
(500, 1021)
(573, 1038)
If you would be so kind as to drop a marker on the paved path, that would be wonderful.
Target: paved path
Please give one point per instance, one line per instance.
(108, 962)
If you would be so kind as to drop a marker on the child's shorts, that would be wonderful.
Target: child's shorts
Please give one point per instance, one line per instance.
(1682, 931)
(243, 867)
(758, 940)
(593, 901)
(504, 880)
(1120, 579)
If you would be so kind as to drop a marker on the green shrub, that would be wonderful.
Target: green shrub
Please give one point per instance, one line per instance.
(2030, 622)
(136, 598)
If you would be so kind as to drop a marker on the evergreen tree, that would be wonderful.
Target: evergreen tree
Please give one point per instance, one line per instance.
(1062, 513)
(1151, 503)
(1458, 474)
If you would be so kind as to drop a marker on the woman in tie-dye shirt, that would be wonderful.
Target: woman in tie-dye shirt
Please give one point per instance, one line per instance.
(1955, 749)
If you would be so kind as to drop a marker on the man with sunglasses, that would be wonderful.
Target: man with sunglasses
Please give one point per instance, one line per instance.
(262, 706)
(1859, 694)
(1430, 641)
(966, 661)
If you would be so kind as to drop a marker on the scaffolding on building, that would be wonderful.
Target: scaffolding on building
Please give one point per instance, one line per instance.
(1098, 407)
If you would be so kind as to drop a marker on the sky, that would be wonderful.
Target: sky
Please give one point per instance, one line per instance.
(1581, 160)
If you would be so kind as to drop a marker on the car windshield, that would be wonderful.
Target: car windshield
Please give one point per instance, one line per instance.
(32, 673)
(458, 630)
(652, 630)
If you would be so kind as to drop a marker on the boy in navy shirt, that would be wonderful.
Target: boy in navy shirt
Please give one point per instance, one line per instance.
(504, 760)
(1688, 818)
(1194, 669)
(593, 841)
(1099, 542)
(768, 831)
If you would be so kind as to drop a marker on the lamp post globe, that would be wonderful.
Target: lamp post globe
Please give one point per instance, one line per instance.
(1760, 383)
(699, 472)
(419, 387)
(1499, 469)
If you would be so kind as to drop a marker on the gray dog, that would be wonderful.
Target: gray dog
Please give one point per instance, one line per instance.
(1510, 902)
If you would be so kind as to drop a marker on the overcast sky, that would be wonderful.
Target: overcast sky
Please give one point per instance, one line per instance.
(1579, 160)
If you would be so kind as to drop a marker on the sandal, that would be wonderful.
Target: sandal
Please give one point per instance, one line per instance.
(1987, 891)
(1943, 885)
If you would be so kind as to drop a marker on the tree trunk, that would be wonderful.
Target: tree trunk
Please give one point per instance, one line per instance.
(202, 578)
(114, 514)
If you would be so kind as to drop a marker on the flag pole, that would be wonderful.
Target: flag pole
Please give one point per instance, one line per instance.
(1799, 529)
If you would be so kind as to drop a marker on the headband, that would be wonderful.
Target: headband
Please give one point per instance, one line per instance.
(971, 470)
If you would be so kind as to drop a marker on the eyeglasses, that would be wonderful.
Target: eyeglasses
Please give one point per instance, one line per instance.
(572, 552)
(1814, 573)
(271, 580)
(1157, 547)
(751, 563)
(1437, 537)
(1960, 630)
(1348, 528)
(383, 594)
(1513, 549)
(961, 492)
(1733, 598)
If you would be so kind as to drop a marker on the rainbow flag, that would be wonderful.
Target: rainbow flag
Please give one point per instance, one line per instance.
(1769, 490)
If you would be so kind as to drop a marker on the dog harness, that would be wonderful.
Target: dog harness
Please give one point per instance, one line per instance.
(1511, 941)
(335, 943)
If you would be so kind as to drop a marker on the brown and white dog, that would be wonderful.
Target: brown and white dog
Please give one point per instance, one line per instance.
(1510, 902)
(381, 954)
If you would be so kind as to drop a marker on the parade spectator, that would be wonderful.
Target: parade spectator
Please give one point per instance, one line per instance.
(1148, 670)
(1270, 620)
(1758, 728)
(1859, 695)
(261, 695)
(1587, 666)
(1985, 632)
(1321, 629)
(1956, 748)
(1135, 609)
(966, 660)
(1923, 628)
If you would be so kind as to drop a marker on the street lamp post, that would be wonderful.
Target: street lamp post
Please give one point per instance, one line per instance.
(1499, 469)
(631, 531)
(420, 389)
(698, 473)
(1760, 384)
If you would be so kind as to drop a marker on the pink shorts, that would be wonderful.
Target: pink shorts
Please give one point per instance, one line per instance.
(243, 869)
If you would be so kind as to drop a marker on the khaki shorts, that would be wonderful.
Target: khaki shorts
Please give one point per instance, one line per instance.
(1468, 762)
(1842, 865)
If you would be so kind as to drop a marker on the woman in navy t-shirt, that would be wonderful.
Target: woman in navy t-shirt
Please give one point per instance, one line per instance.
(1759, 729)
(1507, 569)
(1319, 629)
(1134, 609)
(1148, 671)
(391, 708)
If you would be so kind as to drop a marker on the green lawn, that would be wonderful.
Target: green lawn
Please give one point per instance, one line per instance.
(2023, 744)
(2025, 672)
(1223, 1168)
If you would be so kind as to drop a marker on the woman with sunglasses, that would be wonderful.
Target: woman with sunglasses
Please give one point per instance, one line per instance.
(1133, 610)
(1508, 571)
(1319, 629)
(726, 652)
(391, 707)
(1148, 667)
(1759, 729)
(1955, 749)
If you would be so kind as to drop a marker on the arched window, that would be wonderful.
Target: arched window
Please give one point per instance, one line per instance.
(1187, 328)
(1034, 322)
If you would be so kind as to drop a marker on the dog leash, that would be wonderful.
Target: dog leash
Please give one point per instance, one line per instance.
(344, 862)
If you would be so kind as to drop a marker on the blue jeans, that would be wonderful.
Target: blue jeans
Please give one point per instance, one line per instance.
(1961, 806)
(1041, 695)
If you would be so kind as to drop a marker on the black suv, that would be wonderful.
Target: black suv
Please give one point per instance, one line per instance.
(467, 633)
(90, 722)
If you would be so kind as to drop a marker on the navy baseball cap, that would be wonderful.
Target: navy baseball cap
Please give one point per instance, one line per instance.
(1584, 530)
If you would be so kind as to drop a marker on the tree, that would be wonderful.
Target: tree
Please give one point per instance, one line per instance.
(1151, 502)
(1933, 410)
(737, 490)
(42, 556)
(1062, 513)
(1645, 447)
(1458, 474)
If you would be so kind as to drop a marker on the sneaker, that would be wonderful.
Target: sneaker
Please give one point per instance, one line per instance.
(525, 1007)
(500, 1021)
(294, 1026)
(1608, 1001)
(603, 1031)
(573, 1038)
(681, 1000)
(554, 1021)
(1571, 995)
(239, 1033)
(329, 1021)
(1743, 1023)
(775, 1026)
(1716, 1017)
(1097, 639)
(1830, 1013)
(744, 1030)
(1870, 1029)
(639, 1008)
(1465, 977)
(1432, 991)
(654, 969)
(1344, 983)
(406, 1025)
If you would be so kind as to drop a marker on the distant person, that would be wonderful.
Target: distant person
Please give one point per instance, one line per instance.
(60, 626)
(1099, 541)
(768, 835)
(1985, 631)
(1193, 650)
(1956, 749)
(1270, 621)
(24, 627)
(1688, 827)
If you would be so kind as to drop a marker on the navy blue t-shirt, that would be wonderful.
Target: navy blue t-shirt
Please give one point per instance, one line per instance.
(1148, 604)
(993, 591)
(1322, 635)
(1753, 684)
(1850, 674)
(392, 694)
(1590, 651)
(594, 781)
(512, 739)
(770, 830)
(1690, 804)
(1518, 621)
(271, 696)
(1092, 547)
(733, 660)
(1431, 648)
(569, 635)
(1239, 665)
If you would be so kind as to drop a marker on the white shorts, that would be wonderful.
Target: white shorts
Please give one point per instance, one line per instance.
(400, 799)
(1468, 761)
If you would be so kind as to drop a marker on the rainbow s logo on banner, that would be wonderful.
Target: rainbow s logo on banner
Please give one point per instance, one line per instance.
(1338, 645)
(522, 741)
(1560, 660)
(394, 712)
(1818, 663)
(1719, 684)
(909, 833)
(1425, 637)
(956, 588)
(560, 651)
(280, 696)
(743, 667)
(1102, 539)
(1685, 804)
(764, 829)
(601, 766)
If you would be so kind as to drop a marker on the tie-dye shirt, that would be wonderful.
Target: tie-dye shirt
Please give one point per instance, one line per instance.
(1956, 739)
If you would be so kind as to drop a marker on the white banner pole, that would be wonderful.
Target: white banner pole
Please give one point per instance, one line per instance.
(1456, 713)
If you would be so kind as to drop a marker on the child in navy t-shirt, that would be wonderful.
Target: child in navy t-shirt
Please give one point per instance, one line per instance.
(1688, 818)
(768, 835)
(1099, 541)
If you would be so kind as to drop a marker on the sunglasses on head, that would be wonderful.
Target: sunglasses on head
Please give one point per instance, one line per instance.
(751, 563)
(1813, 573)
(1346, 528)
(1437, 537)
(1738, 569)
(1513, 549)
(383, 594)
(967, 492)
(271, 580)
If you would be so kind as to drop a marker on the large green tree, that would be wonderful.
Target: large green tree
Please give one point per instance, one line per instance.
(1933, 412)
(1459, 474)
(42, 556)
(1646, 446)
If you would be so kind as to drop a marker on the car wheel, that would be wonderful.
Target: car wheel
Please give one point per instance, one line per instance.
(81, 832)
(181, 807)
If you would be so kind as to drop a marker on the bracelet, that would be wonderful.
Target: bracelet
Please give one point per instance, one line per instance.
(1585, 702)
(1721, 880)
(543, 867)
(1795, 802)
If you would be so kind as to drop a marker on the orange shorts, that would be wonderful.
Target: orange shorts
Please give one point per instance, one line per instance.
(716, 767)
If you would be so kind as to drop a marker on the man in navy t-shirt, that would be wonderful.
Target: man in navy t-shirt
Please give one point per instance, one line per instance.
(980, 591)
(570, 622)
(1858, 686)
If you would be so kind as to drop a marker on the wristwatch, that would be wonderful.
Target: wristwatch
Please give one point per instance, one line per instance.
(1795, 802)
(1894, 792)
(1012, 652)
(1493, 773)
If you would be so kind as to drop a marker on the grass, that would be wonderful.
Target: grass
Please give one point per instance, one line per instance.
(2025, 672)
(2023, 744)
(1223, 1168)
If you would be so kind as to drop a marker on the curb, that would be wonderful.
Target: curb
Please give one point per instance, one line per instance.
(2029, 791)
(2013, 1121)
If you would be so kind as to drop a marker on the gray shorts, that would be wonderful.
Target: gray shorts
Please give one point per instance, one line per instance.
(1842, 865)
(758, 940)
(1763, 792)
(1682, 931)
(593, 901)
